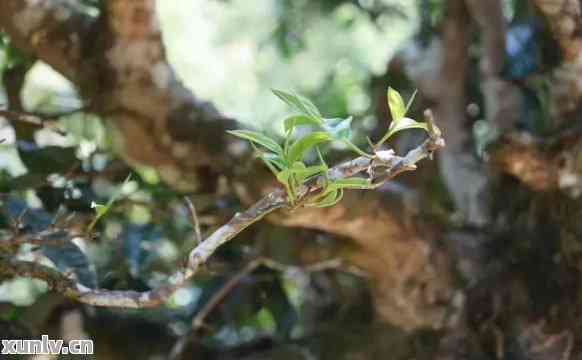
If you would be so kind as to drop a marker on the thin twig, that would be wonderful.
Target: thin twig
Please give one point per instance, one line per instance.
(49, 237)
(33, 120)
(334, 264)
(199, 321)
(194, 220)
(218, 297)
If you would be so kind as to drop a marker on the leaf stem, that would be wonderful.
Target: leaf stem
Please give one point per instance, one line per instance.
(360, 152)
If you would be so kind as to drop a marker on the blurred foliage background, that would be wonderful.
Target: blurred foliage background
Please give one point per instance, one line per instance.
(340, 53)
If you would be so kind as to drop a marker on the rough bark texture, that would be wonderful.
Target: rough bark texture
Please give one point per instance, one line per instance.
(565, 18)
(162, 124)
(55, 31)
(495, 290)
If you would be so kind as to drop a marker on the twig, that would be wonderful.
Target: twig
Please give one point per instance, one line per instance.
(36, 120)
(48, 237)
(218, 297)
(194, 220)
(199, 320)
(133, 299)
(203, 251)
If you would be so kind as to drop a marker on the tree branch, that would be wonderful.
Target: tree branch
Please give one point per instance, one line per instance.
(387, 168)
(36, 121)
(461, 172)
(502, 99)
(220, 295)
(52, 30)
(47, 237)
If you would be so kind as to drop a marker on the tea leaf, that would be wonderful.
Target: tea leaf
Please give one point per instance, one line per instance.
(299, 103)
(258, 139)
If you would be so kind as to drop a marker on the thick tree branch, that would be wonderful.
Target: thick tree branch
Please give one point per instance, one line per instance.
(119, 65)
(161, 122)
(387, 168)
(502, 99)
(461, 171)
(52, 30)
(489, 18)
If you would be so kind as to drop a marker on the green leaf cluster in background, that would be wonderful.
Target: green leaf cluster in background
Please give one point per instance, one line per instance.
(11, 57)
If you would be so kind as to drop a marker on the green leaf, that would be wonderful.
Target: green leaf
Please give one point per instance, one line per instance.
(351, 183)
(274, 159)
(258, 139)
(330, 198)
(300, 120)
(300, 147)
(333, 192)
(283, 176)
(266, 321)
(100, 210)
(320, 156)
(273, 162)
(395, 104)
(339, 128)
(302, 173)
(299, 103)
(404, 124)
(297, 174)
